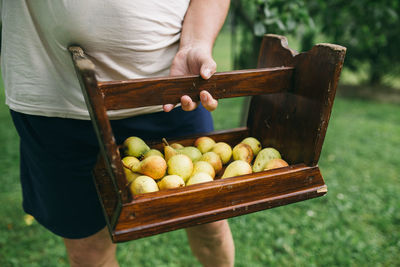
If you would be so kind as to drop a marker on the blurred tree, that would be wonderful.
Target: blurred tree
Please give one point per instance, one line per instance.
(368, 28)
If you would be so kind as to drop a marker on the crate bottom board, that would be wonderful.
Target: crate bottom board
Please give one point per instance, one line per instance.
(173, 209)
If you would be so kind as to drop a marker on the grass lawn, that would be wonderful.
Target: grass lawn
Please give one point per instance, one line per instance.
(356, 224)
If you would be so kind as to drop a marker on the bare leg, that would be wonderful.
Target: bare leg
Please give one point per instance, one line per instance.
(212, 244)
(96, 250)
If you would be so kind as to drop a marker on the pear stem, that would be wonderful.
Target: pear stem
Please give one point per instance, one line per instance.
(165, 143)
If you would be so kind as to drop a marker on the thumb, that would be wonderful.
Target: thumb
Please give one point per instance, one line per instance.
(208, 68)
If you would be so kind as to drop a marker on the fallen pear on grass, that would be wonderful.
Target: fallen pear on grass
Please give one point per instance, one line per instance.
(263, 157)
(242, 151)
(204, 144)
(213, 159)
(236, 168)
(253, 143)
(171, 181)
(143, 184)
(200, 177)
(153, 166)
(181, 165)
(135, 146)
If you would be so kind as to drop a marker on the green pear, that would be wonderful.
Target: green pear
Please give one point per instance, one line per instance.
(275, 163)
(153, 166)
(177, 146)
(135, 146)
(236, 168)
(129, 161)
(143, 184)
(200, 177)
(204, 144)
(242, 151)
(130, 175)
(171, 181)
(263, 157)
(253, 143)
(203, 166)
(223, 150)
(192, 152)
(213, 159)
(153, 152)
(181, 165)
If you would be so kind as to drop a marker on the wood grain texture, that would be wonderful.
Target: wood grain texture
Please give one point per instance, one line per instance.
(169, 90)
(173, 209)
(295, 121)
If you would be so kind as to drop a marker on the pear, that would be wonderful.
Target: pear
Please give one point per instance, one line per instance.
(223, 150)
(204, 144)
(143, 184)
(135, 146)
(176, 146)
(192, 152)
(236, 168)
(181, 165)
(275, 163)
(129, 161)
(171, 181)
(203, 166)
(169, 152)
(242, 151)
(153, 152)
(253, 143)
(153, 166)
(130, 175)
(263, 157)
(213, 159)
(200, 177)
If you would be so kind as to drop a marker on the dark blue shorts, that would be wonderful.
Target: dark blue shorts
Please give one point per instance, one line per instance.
(58, 155)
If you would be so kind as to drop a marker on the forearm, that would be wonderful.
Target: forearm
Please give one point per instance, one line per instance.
(202, 23)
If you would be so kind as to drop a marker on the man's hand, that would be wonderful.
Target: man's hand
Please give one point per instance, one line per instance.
(194, 60)
(202, 22)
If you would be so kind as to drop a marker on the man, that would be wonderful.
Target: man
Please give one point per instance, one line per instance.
(125, 39)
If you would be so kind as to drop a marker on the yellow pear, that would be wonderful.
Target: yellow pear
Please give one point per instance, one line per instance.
(203, 166)
(143, 184)
(129, 161)
(223, 150)
(242, 151)
(153, 152)
(177, 146)
(171, 181)
(200, 177)
(192, 152)
(169, 152)
(275, 163)
(253, 143)
(236, 168)
(213, 159)
(135, 146)
(181, 165)
(263, 157)
(130, 175)
(204, 144)
(153, 166)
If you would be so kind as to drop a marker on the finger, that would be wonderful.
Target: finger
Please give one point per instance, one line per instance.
(168, 107)
(208, 101)
(187, 103)
(208, 68)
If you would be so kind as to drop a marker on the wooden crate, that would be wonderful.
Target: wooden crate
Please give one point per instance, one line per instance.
(292, 97)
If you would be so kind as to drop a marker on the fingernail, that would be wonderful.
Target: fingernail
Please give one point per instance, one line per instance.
(203, 97)
(207, 73)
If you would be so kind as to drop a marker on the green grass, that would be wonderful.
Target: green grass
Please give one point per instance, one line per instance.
(355, 224)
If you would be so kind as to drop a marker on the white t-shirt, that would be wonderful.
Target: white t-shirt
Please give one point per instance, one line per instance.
(126, 39)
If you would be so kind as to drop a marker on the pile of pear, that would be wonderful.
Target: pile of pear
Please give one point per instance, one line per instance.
(150, 170)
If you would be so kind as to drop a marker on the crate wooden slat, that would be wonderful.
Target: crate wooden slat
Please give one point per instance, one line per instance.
(292, 97)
